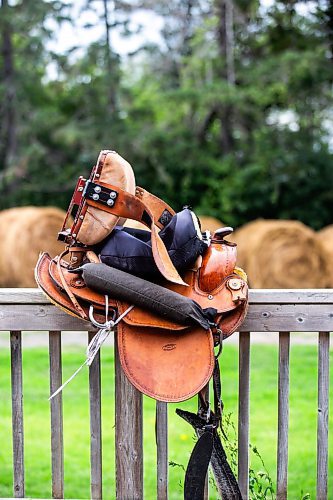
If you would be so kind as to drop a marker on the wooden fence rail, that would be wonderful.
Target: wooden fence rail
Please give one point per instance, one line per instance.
(270, 311)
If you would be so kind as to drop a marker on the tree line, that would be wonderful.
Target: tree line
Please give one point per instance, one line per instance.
(230, 113)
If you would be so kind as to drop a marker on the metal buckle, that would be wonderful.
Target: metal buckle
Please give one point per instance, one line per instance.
(108, 323)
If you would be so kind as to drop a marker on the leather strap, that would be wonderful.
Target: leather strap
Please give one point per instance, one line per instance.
(195, 478)
(197, 468)
(131, 207)
(75, 303)
(161, 210)
(218, 405)
(208, 448)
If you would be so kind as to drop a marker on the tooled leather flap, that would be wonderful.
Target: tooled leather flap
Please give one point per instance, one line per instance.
(47, 284)
(164, 364)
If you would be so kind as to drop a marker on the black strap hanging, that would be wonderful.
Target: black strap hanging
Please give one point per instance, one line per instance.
(198, 466)
(209, 448)
(195, 479)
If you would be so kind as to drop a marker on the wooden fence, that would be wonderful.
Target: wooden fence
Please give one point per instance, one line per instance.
(284, 311)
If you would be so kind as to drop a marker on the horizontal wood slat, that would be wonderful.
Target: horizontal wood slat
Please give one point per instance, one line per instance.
(292, 296)
(262, 296)
(260, 318)
(22, 296)
(291, 317)
(35, 317)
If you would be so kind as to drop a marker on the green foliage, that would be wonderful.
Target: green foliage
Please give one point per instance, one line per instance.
(238, 140)
(260, 482)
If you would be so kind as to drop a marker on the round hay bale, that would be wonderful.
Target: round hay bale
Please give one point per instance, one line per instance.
(325, 236)
(281, 254)
(209, 223)
(24, 233)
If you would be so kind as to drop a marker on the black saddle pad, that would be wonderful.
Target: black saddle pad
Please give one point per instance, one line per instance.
(130, 249)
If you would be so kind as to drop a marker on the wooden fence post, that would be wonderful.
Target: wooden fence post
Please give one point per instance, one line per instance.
(17, 413)
(129, 445)
(243, 413)
(57, 437)
(95, 425)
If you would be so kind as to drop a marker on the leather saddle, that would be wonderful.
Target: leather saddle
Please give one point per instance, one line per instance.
(164, 359)
(170, 328)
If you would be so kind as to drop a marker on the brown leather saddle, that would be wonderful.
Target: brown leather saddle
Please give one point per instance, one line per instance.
(163, 353)
(162, 358)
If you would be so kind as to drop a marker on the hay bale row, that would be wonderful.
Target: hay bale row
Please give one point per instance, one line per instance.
(283, 254)
(274, 253)
(24, 233)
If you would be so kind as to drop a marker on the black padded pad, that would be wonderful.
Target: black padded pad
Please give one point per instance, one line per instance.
(131, 249)
(150, 296)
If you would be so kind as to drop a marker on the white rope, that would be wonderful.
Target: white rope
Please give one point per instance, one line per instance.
(95, 344)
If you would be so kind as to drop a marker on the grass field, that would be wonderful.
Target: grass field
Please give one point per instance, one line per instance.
(303, 413)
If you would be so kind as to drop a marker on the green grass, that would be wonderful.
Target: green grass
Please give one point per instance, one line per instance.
(303, 410)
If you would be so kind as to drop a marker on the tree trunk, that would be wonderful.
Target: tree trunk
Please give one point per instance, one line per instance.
(329, 24)
(111, 75)
(186, 50)
(8, 141)
(225, 39)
